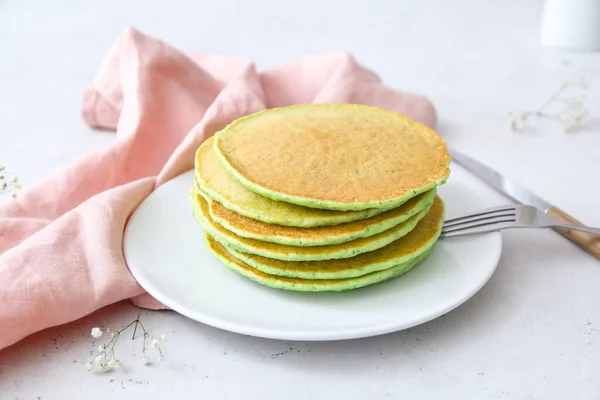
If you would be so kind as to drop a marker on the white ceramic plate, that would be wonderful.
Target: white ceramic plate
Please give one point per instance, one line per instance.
(166, 253)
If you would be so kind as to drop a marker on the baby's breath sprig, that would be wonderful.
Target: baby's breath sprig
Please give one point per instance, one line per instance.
(8, 185)
(570, 117)
(106, 360)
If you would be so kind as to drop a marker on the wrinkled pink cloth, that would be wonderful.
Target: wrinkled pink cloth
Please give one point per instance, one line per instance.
(60, 240)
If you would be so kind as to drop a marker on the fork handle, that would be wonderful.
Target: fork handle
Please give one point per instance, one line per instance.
(587, 241)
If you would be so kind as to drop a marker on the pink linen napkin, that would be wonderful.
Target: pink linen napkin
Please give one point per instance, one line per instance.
(60, 240)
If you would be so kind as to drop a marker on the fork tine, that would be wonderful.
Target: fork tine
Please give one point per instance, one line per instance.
(487, 211)
(482, 217)
(481, 221)
(489, 227)
(476, 224)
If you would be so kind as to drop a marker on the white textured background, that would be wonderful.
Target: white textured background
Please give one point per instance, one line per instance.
(530, 333)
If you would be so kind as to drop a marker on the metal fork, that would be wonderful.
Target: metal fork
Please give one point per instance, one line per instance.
(511, 216)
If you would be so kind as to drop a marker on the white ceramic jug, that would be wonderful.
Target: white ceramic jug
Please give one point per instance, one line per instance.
(573, 24)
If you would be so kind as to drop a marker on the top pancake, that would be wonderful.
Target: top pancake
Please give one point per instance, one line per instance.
(212, 178)
(333, 156)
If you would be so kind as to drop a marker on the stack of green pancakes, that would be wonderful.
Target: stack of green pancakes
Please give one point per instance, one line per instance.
(323, 197)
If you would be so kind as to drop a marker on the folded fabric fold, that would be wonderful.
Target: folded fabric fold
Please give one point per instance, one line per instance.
(61, 240)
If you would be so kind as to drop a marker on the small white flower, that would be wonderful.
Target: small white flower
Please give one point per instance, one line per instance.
(154, 344)
(117, 363)
(102, 348)
(96, 332)
(571, 120)
(89, 366)
(99, 360)
(146, 360)
(112, 363)
(163, 338)
(161, 358)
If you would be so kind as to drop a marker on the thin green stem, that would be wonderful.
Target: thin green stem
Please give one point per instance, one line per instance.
(113, 339)
(127, 326)
(137, 321)
(143, 328)
(144, 343)
(553, 98)
(112, 349)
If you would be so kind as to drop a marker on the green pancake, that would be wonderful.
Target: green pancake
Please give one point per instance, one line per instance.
(212, 178)
(412, 245)
(333, 156)
(321, 235)
(296, 253)
(307, 285)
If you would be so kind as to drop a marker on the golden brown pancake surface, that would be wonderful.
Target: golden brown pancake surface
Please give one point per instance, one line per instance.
(333, 156)
(219, 185)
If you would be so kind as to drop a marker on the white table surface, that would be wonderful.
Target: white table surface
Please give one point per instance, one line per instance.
(531, 332)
